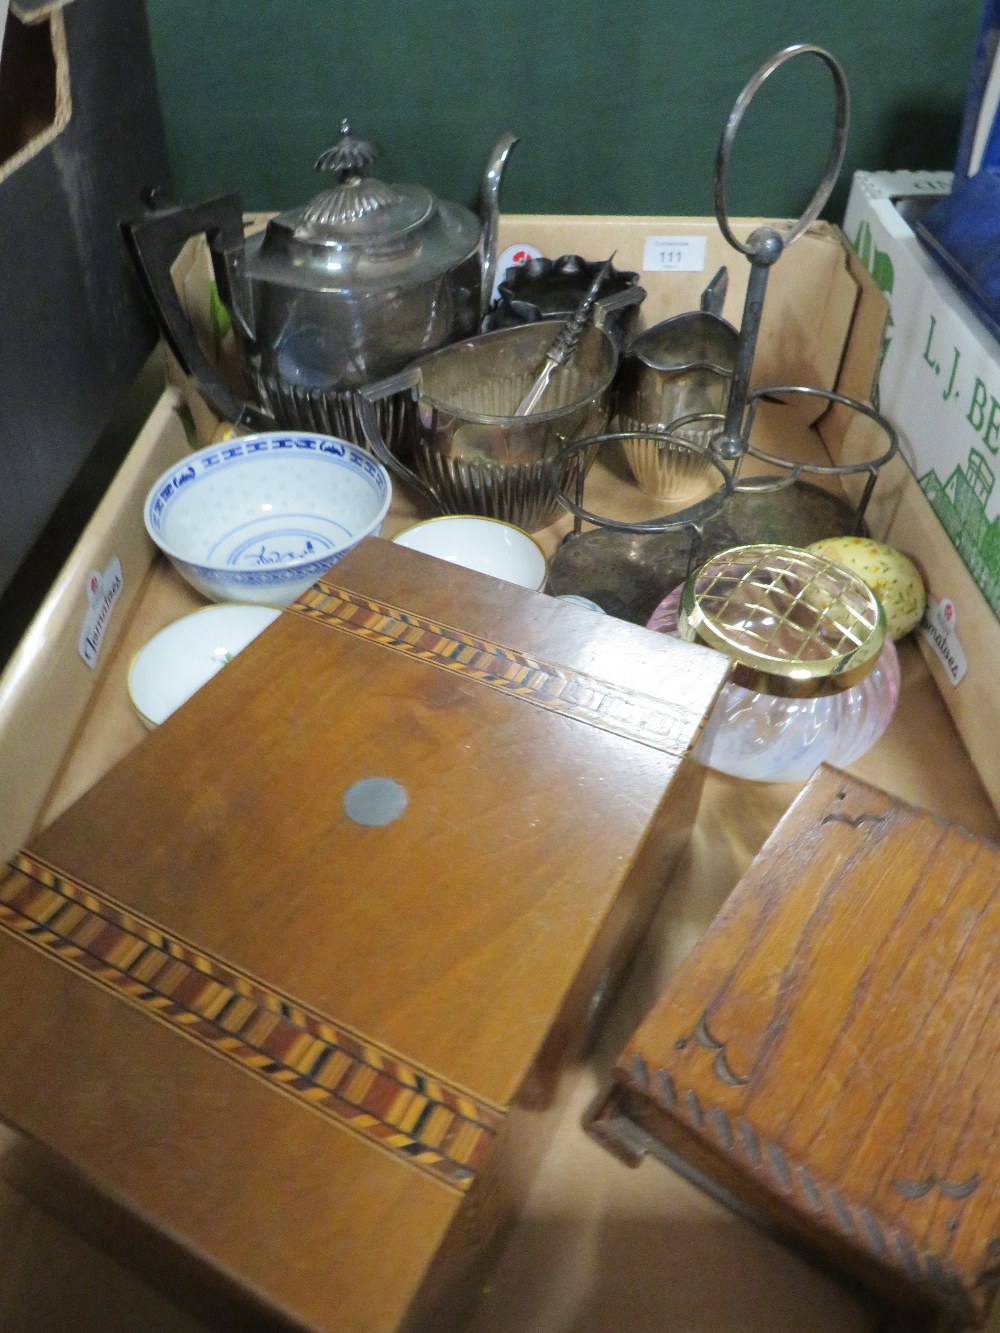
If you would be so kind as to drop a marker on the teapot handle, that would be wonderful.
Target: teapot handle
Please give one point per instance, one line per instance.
(155, 240)
(364, 406)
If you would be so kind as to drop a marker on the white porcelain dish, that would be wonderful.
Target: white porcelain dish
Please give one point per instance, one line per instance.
(259, 519)
(486, 545)
(184, 656)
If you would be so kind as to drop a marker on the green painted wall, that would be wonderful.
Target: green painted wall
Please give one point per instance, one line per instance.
(619, 106)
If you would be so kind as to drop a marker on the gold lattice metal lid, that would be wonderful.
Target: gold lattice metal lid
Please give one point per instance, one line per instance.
(784, 612)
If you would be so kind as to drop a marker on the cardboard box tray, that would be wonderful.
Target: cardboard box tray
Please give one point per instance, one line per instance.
(597, 1245)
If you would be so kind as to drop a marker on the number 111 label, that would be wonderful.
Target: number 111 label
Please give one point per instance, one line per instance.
(674, 254)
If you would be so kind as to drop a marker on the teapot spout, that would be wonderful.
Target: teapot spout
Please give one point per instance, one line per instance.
(489, 212)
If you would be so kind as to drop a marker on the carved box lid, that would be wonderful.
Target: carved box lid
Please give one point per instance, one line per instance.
(825, 1058)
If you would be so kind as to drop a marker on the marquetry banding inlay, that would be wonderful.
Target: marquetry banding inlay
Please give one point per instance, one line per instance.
(627, 713)
(362, 1086)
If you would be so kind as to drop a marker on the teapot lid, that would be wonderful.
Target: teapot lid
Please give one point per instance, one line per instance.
(359, 208)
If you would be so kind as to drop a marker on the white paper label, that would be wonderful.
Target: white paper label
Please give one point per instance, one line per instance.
(674, 254)
(103, 590)
(938, 628)
(513, 257)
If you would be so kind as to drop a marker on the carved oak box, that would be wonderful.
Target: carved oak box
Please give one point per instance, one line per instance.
(294, 982)
(825, 1059)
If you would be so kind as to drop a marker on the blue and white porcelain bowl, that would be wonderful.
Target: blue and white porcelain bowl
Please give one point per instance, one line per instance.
(260, 519)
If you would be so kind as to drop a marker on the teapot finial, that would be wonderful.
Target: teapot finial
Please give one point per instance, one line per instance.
(349, 156)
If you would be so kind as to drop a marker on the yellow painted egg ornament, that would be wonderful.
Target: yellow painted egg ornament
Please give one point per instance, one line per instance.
(892, 577)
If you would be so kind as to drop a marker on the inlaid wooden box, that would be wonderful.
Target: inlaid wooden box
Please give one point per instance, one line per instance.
(295, 981)
(825, 1059)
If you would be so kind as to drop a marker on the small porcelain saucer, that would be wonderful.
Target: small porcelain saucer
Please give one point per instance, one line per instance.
(186, 654)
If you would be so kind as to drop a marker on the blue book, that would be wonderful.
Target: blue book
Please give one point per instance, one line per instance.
(962, 230)
(979, 136)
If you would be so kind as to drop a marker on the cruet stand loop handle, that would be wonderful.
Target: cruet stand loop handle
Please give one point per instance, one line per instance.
(765, 246)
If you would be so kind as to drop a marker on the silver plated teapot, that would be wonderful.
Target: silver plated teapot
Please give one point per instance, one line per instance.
(331, 296)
